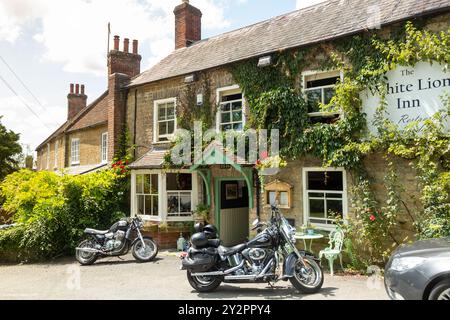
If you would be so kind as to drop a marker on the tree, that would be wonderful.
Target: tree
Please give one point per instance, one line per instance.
(9, 151)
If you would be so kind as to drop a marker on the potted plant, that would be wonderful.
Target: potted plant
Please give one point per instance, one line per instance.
(201, 213)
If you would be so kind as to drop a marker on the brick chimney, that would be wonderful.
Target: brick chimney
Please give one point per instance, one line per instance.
(124, 62)
(76, 100)
(188, 25)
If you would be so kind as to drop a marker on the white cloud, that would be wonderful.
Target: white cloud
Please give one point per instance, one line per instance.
(73, 32)
(17, 117)
(306, 3)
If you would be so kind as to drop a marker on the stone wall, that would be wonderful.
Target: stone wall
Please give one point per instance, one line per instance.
(90, 142)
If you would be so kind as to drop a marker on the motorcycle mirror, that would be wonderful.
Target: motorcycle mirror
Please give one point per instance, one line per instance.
(255, 222)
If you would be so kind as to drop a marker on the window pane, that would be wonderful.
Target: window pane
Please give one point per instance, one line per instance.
(328, 93)
(334, 207)
(225, 107)
(322, 82)
(139, 180)
(162, 112)
(148, 205)
(179, 181)
(334, 195)
(237, 126)
(226, 127)
(231, 97)
(170, 127)
(185, 203)
(284, 198)
(237, 116)
(163, 128)
(313, 97)
(226, 117)
(236, 105)
(147, 184)
(155, 205)
(315, 195)
(272, 195)
(140, 204)
(325, 180)
(316, 208)
(154, 179)
(172, 203)
(170, 111)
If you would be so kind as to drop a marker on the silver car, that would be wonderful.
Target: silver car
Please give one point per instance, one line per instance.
(419, 271)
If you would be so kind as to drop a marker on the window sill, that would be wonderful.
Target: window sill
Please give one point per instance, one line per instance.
(324, 114)
(75, 163)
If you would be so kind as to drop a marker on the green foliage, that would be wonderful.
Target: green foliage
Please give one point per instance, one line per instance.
(9, 150)
(52, 211)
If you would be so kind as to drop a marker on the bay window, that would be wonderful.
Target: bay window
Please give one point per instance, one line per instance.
(325, 196)
(163, 196)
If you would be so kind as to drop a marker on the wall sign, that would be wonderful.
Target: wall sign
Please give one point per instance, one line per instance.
(413, 94)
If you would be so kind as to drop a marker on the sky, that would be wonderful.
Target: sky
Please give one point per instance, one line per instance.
(47, 44)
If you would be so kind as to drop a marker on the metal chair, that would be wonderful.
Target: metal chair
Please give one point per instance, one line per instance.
(335, 248)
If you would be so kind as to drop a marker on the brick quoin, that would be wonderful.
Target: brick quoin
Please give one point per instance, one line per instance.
(188, 25)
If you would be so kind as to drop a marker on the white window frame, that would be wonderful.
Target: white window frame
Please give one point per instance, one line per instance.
(156, 103)
(47, 165)
(305, 170)
(56, 154)
(309, 73)
(162, 195)
(229, 90)
(104, 148)
(77, 160)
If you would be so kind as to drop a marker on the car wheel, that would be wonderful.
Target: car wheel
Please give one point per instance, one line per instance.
(441, 291)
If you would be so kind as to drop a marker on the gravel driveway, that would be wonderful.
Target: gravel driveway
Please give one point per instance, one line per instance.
(112, 278)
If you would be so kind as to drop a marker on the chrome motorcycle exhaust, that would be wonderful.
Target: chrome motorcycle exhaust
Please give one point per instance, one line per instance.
(252, 277)
(219, 273)
(90, 250)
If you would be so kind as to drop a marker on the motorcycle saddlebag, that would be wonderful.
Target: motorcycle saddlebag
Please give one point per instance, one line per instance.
(199, 262)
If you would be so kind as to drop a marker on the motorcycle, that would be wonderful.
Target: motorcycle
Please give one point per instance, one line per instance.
(117, 241)
(269, 257)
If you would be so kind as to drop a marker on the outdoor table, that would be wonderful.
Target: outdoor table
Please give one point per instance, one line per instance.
(310, 237)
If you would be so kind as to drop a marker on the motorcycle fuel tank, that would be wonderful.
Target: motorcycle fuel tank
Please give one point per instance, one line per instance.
(262, 240)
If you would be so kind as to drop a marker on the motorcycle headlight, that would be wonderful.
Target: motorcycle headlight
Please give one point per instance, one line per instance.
(402, 264)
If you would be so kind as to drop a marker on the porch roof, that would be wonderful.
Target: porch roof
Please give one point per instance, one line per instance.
(153, 159)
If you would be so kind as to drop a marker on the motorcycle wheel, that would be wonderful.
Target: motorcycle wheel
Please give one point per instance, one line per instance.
(86, 258)
(147, 253)
(203, 284)
(307, 280)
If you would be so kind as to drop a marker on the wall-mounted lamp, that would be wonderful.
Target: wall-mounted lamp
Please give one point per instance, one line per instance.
(200, 99)
(265, 61)
(190, 78)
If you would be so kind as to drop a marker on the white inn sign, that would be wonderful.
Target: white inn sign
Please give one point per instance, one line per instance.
(413, 94)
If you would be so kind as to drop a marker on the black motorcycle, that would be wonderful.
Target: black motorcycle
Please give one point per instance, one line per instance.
(117, 241)
(269, 257)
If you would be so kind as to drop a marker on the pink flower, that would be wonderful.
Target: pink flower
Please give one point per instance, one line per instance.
(264, 155)
(372, 217)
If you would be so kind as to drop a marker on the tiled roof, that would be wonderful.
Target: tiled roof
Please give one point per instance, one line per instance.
(153, 159)
(94, 114)
(77, 170)
(325, 21)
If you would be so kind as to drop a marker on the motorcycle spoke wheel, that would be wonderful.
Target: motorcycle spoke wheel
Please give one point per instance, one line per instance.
(309, 275)
(144, 253)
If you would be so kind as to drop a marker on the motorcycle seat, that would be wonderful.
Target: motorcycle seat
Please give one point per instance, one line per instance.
(228, 251)
(93, 231)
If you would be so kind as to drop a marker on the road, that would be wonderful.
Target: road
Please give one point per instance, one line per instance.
(112, 278)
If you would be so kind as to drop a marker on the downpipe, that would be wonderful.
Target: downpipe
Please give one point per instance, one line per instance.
(219, 273)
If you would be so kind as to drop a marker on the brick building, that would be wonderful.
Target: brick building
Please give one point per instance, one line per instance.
(148, 105)
(89, 138)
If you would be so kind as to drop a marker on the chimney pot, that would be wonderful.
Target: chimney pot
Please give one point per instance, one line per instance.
(77, 89)
(71, 88)
(135, 47)
(82, 89)
(126, 45)
(116, 42)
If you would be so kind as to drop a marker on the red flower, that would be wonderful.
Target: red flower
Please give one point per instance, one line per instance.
(122, 166)
(258, 162)
(372, 217)
(126, 161)
(119, 162)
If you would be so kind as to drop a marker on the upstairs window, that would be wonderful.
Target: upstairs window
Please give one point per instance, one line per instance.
(56, 153)
(104, 147)
(48, 156)
(165, 119)
(319, 88)
(75, 151)
(230, 115)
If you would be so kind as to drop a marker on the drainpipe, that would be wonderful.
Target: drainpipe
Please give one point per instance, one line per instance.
(134, 125)
(258, 193)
